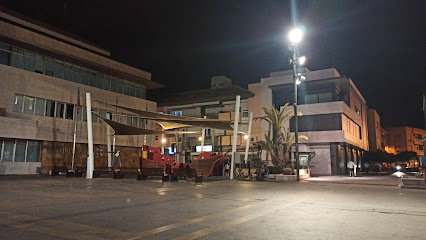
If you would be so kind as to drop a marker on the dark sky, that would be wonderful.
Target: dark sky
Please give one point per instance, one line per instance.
(379, 44)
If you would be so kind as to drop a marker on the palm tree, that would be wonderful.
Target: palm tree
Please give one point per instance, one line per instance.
(280, 143)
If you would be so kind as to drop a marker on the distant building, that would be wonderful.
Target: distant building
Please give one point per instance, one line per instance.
(374, 131)
(41, 70)
(334, 116)
(217, 102)
(402, 139)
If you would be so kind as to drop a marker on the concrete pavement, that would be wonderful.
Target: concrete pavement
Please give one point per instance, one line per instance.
(75, 208)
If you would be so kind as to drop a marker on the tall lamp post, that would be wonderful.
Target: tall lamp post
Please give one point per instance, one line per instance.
(295, 36)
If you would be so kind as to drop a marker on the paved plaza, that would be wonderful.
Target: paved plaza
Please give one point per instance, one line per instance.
(75, 208)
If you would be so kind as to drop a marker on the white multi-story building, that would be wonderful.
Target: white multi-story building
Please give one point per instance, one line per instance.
(334, 116)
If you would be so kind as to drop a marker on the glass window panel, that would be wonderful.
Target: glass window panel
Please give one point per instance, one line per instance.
(4, 58)
(68, 74)
(84, 77)
(39, 57)
(8, 150)
(119, 85)
(50, 59)
(29, 54)
(140, 123)
(313, 98)
(92, 79)
(325, 97)
(60, 108)
(17, 61)
(132, 91)
(18, 103)
(102, 113)
(29, 105)
(143, 95)
(76, 76)
(129, 120)
(29, 64)
(5, 46)
(33, 151)
(126, 90)
(76, 68)
(69, 112)
(138, 93)
(50, 69)
(40, 106)
(123, 118)
(94, 117)
(135, 121)
(100, 79)
(39, 67)
(20, 150)
(50, 108)
(107, 84)
(18, 50)
(1, 145)
(59, 71)
(114, 84)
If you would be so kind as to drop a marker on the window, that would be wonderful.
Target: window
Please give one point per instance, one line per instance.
(107, 83)
(50, 108)
(28, 105)
(76, 76)
(50, 69)
(59, 71)
(141, 123)
(94, 117)
(102, 113)
(60, 109)
(40, 106)
(100, 80)
(70, 112)
(126, 90)
(325, 97)
(119, 85)
(84, 113)
(123, 119)
(16, 61)
(33, 151)
(29, 64)
(92, 79)
(84, 77)
(113, 84)
(18, 103)
(176, 113)
(245, 114)
(311, 98)
(39, 67)
(20, 150)
(132, 91)
(8, 150)
(68, 74)
(4, 58)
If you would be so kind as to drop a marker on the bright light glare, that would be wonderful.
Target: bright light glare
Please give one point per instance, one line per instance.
(163, 140)
(245, 137)
(302, 60)
(295, 35)
(200, 138)
(398, 168)
(298, 81)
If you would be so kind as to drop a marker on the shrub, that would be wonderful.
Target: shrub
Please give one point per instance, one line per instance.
(256, 163)
(288, 171)
(275, 170)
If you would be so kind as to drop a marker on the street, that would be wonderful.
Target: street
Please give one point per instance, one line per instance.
(75, 208)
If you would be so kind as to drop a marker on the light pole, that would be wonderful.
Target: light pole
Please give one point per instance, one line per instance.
(295, 36)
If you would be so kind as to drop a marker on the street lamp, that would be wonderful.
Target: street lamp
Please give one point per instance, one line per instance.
(295, 36)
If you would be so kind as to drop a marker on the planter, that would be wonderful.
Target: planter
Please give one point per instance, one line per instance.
(282, 178)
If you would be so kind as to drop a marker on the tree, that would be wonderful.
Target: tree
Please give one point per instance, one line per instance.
(280, 143)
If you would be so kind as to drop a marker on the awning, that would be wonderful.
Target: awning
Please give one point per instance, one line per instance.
(188, 121)
(122, 129)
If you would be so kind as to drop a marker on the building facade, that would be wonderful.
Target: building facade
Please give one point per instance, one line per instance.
(218, 102)
(400, 139)
(334, 116)
(374, 131)
(42, 71)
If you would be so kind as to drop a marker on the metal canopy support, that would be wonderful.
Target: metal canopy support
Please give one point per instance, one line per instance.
(248, 139)
(203, 135)
(90, 161)
(234, 142)
(108, 133)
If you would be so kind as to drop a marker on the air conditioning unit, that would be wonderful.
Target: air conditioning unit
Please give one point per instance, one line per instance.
(253, 139)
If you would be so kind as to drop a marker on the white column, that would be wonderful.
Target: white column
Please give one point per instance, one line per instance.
(90, 161)
(113, 150)
(234, 142)
(108, 133)
(248, 139)
(203, 135)
(162, 143)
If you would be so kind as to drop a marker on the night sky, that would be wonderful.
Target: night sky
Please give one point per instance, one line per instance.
(380, 45)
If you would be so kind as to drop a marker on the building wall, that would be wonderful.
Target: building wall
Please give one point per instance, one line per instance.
(374, 131)
(405, 139)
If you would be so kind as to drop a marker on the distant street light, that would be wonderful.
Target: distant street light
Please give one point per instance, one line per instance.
(163, 140)
(200, 138)
(295, 36)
